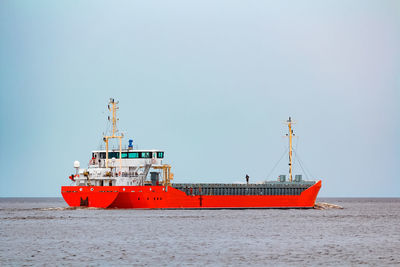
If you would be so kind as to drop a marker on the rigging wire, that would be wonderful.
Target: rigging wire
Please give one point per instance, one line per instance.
(277, 162)
(108, 128)
(305, 169)
(301, 166)
(295, 156)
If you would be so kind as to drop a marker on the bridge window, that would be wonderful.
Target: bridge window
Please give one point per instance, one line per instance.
(124, 155)
(146, 155)
(113, 155)
(160, 155)
(133, 155)
(110, 155)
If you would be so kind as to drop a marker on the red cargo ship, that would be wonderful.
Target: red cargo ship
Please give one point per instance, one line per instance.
(119, 178)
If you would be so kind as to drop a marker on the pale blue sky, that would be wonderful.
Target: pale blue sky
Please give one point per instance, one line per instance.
(209, 82)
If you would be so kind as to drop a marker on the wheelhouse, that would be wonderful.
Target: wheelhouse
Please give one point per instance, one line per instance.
(128, 157)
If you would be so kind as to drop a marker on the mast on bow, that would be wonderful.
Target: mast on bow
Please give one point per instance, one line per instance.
(289, 122)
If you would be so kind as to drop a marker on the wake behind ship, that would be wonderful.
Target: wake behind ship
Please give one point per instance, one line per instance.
(138, 179)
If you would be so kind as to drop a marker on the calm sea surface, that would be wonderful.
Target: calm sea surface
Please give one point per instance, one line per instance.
(42, 231)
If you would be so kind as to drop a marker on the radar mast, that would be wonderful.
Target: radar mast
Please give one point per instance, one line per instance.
(113, 108)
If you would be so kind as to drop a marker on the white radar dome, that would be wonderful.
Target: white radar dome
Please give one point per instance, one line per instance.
(76, 164)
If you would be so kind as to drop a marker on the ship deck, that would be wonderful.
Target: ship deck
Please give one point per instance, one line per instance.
(269, 188)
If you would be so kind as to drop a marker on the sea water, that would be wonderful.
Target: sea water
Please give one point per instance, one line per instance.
(44, 231)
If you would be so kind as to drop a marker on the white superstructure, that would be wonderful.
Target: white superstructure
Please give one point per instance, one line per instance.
(119, 167)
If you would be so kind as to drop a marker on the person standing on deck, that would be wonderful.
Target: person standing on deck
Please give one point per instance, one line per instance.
(247, 179)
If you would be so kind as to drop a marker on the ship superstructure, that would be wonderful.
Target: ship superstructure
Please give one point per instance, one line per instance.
(133, 178)
(121, 166)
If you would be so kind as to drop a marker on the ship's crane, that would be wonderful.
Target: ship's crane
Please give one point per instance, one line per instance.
(167, 174)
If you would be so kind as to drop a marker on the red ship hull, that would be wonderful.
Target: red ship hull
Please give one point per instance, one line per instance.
(157, 197)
